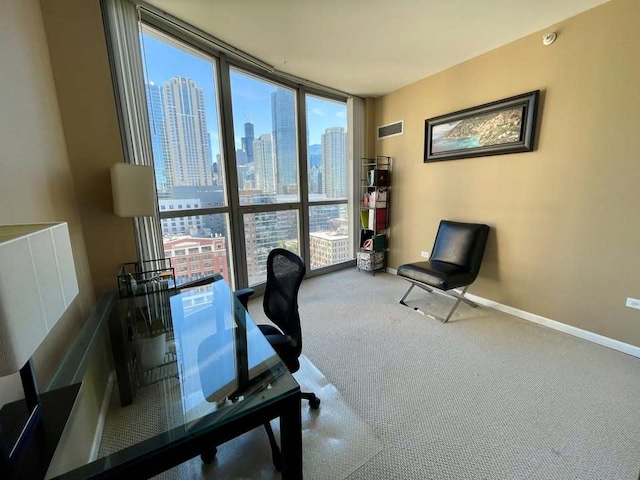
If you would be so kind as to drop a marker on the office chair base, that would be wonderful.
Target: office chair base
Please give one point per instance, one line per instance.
(460, 297)
(314, 402)
(209, 456)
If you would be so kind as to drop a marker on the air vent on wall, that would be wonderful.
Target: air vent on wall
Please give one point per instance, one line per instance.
(391, 129)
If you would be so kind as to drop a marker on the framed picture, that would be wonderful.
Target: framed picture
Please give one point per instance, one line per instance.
(505, 126)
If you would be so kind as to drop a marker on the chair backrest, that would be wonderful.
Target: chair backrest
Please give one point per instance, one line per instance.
(460, 244)
(285, 271)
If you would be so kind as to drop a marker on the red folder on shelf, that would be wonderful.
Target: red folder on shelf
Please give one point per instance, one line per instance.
(378, 219)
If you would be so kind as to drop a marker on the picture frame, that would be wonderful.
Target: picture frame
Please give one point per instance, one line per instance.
(495, 128)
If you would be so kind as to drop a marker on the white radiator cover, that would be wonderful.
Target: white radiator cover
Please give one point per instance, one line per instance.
(37, 284)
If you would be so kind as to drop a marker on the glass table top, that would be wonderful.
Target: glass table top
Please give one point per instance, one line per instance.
(220, 367)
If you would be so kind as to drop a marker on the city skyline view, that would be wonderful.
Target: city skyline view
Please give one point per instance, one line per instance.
(181, 90)
(164, 61)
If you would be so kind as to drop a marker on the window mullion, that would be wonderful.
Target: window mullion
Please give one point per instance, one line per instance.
(303, 177)
(231, 175)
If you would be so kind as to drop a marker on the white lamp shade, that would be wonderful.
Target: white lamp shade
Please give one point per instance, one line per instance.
(133, 190)
(37, 284)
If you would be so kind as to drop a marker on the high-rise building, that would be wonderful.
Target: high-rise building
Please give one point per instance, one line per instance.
(264, 165)
(246, 180)
(247, 141)
(187, 198)
(283, 115)
(314, 155)
(241, 157)
(159, 144)
(189, 146)
(328, 248)
(334, 162)
(315, 180)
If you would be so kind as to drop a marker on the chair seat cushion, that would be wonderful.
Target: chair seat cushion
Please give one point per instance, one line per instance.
(284, 345)
(440, 275)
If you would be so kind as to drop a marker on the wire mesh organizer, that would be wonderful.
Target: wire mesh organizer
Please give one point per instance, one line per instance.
(139, 278)
(146, 287)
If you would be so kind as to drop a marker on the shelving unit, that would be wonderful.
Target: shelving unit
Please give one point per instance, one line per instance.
(374, 213)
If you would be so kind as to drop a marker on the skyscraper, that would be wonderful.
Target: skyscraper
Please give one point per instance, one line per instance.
(264, 166)
(314, 155)
(189, 148)
(162, 167)
(247, 141)
(283, 115)
(334, 162)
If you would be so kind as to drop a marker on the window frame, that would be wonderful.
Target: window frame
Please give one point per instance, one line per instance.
(196, 39)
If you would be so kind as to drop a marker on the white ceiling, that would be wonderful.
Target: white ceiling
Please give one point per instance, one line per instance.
(369, 47)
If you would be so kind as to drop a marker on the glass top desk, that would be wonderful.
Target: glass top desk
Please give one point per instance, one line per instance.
(226, 381)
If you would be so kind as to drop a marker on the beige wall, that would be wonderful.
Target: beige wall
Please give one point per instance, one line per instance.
(76, 41)
(564, 218)
(75, 35)
(36, 180)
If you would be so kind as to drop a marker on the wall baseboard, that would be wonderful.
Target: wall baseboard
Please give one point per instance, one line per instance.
(102, 417)
(547, 322)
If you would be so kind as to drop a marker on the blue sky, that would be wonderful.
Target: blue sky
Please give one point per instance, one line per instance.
(251, 98)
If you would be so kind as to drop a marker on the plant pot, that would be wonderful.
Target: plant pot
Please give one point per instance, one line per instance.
(150, 351)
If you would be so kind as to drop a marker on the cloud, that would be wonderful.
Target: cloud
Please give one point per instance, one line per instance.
(341, 114)
(318, 111)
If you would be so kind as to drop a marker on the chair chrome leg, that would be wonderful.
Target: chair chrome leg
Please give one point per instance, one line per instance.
(453, 309)
(407, 294)
(460, 297)
(416, 309)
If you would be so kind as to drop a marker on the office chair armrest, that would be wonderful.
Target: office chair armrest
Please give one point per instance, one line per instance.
(243, 296)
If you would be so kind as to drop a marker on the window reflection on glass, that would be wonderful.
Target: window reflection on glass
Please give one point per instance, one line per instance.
(265, 231)
(266, 143)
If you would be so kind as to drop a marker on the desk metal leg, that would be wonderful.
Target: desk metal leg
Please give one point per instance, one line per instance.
(291, 439)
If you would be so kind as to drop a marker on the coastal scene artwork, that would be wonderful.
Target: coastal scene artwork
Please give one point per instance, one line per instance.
(488, 129)
(505, 126)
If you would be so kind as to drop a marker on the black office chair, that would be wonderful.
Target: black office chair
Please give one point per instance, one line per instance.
(285, 271)
(454, 262)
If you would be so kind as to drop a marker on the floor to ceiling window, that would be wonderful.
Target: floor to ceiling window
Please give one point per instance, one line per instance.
(181, 87)
(266, 152)
(243, 177)
(328, 182)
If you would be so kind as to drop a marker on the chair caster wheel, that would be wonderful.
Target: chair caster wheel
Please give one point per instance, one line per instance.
(314, 403)
(208, 456)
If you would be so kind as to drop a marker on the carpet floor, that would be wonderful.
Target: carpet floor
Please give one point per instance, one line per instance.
(486, 395)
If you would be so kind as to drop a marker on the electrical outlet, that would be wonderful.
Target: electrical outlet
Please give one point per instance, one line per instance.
(424, 254)
(633, 303)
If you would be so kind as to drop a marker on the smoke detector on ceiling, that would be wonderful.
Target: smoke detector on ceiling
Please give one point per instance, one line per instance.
(549, 38)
